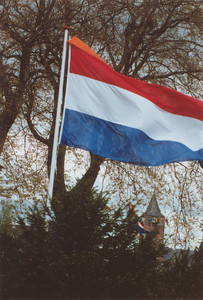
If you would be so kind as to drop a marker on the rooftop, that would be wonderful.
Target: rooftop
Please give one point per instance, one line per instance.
(153, 208)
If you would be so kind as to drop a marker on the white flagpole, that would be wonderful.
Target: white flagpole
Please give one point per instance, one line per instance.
(60, 98)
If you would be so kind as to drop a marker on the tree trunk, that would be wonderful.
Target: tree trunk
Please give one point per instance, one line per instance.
(13, 99)
(84, 185)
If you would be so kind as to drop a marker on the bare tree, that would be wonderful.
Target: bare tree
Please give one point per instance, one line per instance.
(152, 40)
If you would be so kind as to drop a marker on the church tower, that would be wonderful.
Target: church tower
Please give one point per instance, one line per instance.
(154, 219)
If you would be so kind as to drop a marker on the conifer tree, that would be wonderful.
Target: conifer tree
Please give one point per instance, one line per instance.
(89, 252)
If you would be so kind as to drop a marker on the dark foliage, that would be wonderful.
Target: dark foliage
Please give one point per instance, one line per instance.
(91, 252)
(183, 275)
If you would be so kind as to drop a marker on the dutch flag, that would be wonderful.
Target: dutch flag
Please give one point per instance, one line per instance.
(126, 119)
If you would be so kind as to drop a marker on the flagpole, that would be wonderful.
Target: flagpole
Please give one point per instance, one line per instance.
(58, 112)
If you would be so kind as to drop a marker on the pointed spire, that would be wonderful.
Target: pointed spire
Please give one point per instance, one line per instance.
(153, 208)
